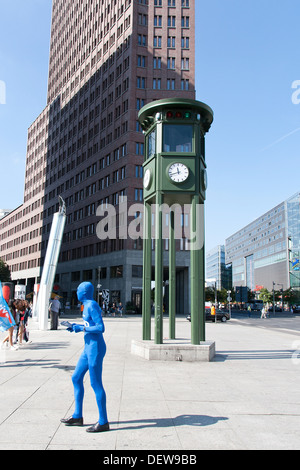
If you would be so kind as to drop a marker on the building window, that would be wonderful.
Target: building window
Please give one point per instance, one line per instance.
(87, 275)
(142, 40)
(157, 62)
(171, 62)
(157, 41)
(158, 20)
(137, 271)
(171, 41)
(185, 21)
(141, 82)
(156, 84)
(185, 64)
(75, 276)
(138, 194)
(185, 84)
(172, 21)
(171, 84)
(116, 272)
(141, 61)
(138, 171)
(143, 20)
(185, 42)
(140, 102)
(139, 148)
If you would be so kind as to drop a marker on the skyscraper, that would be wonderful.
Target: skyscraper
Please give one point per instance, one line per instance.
(107, 59)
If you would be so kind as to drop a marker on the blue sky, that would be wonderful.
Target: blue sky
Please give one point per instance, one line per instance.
(247, 58)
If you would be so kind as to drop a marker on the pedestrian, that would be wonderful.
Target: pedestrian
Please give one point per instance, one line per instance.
(90, 360)
(120, 309)
(8, 340)
(113, 310)
(54, 313)
(263, 312)
(17, 306)
(26, 317)
(7, 321)
(22, 311)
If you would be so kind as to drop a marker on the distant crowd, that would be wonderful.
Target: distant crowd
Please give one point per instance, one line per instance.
(21, 311)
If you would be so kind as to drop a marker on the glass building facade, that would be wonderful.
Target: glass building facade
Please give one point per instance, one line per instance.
(217, 269)
(293, 211)
(267, 250)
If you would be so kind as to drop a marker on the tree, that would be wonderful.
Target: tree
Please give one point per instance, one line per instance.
(265, 295)
(209, 294)
(291, 296)
(251, 295)
(222, 296)
(4, 272)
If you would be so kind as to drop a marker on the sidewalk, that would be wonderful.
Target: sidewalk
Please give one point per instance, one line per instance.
(247, 398)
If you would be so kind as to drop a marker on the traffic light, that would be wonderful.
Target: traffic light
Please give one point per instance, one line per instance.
(182, 115)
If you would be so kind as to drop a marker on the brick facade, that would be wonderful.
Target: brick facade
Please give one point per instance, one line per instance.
(107, 59)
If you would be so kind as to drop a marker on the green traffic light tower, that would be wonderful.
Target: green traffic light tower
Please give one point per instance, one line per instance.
(174, 173)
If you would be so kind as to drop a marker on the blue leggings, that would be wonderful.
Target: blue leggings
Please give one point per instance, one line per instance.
(90, 360)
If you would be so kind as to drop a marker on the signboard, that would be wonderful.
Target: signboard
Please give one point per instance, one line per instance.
(296, 264)
(20, 292)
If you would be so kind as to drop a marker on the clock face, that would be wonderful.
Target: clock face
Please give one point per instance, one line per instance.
(147, 178)
(178, 172)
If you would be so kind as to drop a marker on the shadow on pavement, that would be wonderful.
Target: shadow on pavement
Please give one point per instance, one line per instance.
(247, 355)
(182, 420)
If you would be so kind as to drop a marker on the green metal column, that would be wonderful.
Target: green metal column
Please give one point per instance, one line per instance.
(158, 339)
(147, 266)
(202, 277)
(195, 278)
(172, 278)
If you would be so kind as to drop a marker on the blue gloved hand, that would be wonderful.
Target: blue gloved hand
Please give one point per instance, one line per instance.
(77, 328)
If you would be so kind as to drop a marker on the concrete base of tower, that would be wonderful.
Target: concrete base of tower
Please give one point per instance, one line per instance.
(174, 350)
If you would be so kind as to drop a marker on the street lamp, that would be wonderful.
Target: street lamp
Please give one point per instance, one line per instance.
(229, 300)
(278, 284)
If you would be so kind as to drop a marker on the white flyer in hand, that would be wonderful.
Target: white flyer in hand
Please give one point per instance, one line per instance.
(66, 324)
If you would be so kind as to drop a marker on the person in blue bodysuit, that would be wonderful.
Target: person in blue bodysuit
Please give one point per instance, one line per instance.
(90, 360)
